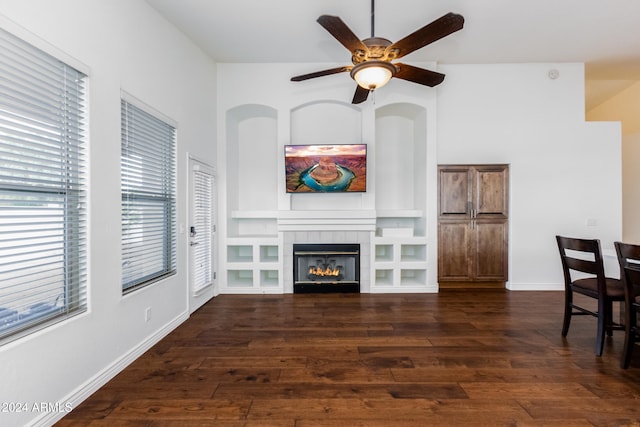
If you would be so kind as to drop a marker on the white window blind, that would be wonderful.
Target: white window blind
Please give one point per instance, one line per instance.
(42, 189)
(203, 227)
(148, 198)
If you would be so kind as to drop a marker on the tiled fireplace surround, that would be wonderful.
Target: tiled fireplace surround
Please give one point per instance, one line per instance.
(336, 227)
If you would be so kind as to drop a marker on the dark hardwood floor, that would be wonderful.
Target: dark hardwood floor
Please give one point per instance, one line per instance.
(457, 358)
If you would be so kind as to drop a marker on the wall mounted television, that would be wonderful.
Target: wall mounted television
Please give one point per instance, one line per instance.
(326, 168)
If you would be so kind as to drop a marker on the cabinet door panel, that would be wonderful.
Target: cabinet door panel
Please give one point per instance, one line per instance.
(454, 192)
(454, 257)
(490, 250)
(490, 195)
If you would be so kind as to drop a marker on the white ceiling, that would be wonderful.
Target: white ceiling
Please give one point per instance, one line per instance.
(604, 34)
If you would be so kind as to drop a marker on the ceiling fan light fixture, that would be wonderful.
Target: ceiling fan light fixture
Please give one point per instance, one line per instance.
(373, 74)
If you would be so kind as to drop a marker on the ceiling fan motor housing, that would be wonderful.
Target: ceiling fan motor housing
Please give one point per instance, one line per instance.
(376, 49)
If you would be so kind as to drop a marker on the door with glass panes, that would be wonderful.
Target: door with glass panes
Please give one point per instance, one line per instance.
(201, 233)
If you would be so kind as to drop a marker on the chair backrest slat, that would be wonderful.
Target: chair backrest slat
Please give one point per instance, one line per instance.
(582, 265)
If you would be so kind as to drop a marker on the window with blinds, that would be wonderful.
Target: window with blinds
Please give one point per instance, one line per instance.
(42, 189)
(202, 233)
(148, 197)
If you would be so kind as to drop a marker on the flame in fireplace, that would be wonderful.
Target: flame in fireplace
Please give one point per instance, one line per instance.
(324, 272)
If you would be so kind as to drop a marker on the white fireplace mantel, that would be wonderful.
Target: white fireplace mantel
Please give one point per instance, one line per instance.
(327, 220)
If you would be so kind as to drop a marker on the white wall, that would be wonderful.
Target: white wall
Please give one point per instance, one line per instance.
(563, 170)
(125, 45)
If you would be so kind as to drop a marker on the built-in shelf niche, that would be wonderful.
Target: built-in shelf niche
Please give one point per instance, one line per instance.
(384, 252)
(409, 253)
(413, 277)
(252, 165)
(239, 253)
(400, 170)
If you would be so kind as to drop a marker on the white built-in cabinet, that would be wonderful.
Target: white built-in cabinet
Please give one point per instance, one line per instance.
(400, 262)
(253, 263)
(258, 213)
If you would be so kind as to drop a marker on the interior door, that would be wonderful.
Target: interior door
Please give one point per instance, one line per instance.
(201, 233)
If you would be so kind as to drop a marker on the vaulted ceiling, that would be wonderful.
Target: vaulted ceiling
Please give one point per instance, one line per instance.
(604, 34)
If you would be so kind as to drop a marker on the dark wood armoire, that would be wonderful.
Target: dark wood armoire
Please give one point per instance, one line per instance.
(473, 225)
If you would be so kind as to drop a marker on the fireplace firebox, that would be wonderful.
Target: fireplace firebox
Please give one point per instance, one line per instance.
(326, 267)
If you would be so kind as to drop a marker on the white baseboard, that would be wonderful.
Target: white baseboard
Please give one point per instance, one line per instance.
(535, 286)
(402, 290)
(76, 397)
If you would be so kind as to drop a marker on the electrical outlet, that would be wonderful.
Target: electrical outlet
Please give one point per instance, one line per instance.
(591, 222)
(147, 314)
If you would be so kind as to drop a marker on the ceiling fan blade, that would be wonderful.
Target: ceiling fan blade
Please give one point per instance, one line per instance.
(418, 75)
(441, 27)
(338, 29)
(321, 73)
(360, 95)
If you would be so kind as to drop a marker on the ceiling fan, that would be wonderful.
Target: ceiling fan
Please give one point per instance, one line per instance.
(372, 67)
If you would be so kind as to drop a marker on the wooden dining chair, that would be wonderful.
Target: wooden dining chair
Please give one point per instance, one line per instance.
(583, 269)
(629, 260)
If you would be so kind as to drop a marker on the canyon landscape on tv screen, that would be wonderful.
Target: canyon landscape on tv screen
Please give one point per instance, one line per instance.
(326, 168)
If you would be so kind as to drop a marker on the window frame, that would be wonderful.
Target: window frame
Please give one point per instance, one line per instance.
(39, 198)
(133, 195)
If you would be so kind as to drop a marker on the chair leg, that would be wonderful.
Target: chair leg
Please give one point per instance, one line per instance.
(602, 326)
(568, 302)
(609, 318)
(629, 336)
(629, 342)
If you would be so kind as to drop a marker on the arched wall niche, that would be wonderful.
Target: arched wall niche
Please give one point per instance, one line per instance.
(326, 122)
(251, 159)
(401, 165)
(321, 122)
